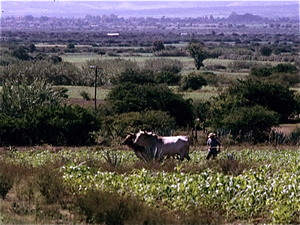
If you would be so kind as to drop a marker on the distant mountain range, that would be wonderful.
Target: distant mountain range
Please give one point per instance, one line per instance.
(157, 9)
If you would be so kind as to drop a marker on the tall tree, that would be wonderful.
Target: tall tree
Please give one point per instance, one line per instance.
(197, 51)
(158, 45)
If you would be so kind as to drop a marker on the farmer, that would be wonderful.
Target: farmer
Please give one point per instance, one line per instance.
(213, 143)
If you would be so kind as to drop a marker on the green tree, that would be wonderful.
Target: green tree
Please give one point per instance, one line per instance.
(192, 81)
(250, 93)
(265, 50)
(21, 53)
(129, 97)
(274, 96)
(202, 112)
(198, 52)
(256, 119)
(158, 45)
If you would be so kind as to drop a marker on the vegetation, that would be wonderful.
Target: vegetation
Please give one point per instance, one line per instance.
(243, 82)
(197, 51)
(130, 97)
(193, 81)
(84, 185)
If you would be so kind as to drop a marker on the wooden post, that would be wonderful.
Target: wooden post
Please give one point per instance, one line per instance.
(240, 136)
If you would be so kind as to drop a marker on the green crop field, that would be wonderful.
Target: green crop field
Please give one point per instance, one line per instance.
(240, 186)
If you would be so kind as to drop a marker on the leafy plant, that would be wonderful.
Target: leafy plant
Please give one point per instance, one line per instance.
(112, 158)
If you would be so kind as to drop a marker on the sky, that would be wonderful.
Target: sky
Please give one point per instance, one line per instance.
(77, 8)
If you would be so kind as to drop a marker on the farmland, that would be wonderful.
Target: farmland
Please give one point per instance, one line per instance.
(242, 185)
(61, 158)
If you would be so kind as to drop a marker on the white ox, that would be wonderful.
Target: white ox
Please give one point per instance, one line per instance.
(139, 151)
(165, 145)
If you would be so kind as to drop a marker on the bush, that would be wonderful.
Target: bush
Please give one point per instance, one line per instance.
(192, 81)
(130, 97)
(271, 95)
(284, 74)
(6, 183)
(21, 53)
(265, 50)
(55, 125)
(163, 65)
(119, 125)
(167, 77)
(135, 77)
(261, 71)
(101, 207)
(17, 98)
(256, 119)
(59, 73)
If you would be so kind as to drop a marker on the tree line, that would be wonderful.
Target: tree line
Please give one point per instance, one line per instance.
(36, 114)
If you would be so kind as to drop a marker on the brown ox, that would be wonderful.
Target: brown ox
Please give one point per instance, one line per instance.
(165, 145)
(139, 151)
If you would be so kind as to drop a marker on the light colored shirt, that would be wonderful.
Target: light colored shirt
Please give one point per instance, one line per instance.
(213, 143)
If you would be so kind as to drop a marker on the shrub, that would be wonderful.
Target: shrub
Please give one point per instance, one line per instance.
(158, 45)
(21, 53)
(167, 77)
(134, 76)
(256, 119)
(170, 53)
(163, 65)
(271, 95)
(50, 183)
(261, 71)
(43, 68)
(130, 97)
(55, 125)
(192, 81)
(6, 183)
(265, 50)
(111, 70)
(110, 208)
(17, 98)
(118, 125)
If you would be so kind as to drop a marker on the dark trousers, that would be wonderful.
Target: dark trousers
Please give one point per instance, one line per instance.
(212, 152)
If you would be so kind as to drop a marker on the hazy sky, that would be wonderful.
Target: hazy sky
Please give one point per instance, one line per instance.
(138, 8)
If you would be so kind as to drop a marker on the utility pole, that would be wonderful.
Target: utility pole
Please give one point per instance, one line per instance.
(96, 71)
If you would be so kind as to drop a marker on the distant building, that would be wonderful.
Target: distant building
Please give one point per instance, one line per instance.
(113, 34)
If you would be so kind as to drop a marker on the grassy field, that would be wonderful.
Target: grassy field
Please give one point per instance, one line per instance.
(74, 92)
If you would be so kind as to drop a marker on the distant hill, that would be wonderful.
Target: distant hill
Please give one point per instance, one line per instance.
(158, 9)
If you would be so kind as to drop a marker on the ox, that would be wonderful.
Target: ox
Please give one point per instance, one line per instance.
(164, 145)
(139, 151)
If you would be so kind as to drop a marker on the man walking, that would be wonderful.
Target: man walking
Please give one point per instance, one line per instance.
(213, 143)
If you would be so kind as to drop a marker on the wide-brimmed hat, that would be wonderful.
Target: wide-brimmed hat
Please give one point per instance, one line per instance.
(211, 135)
